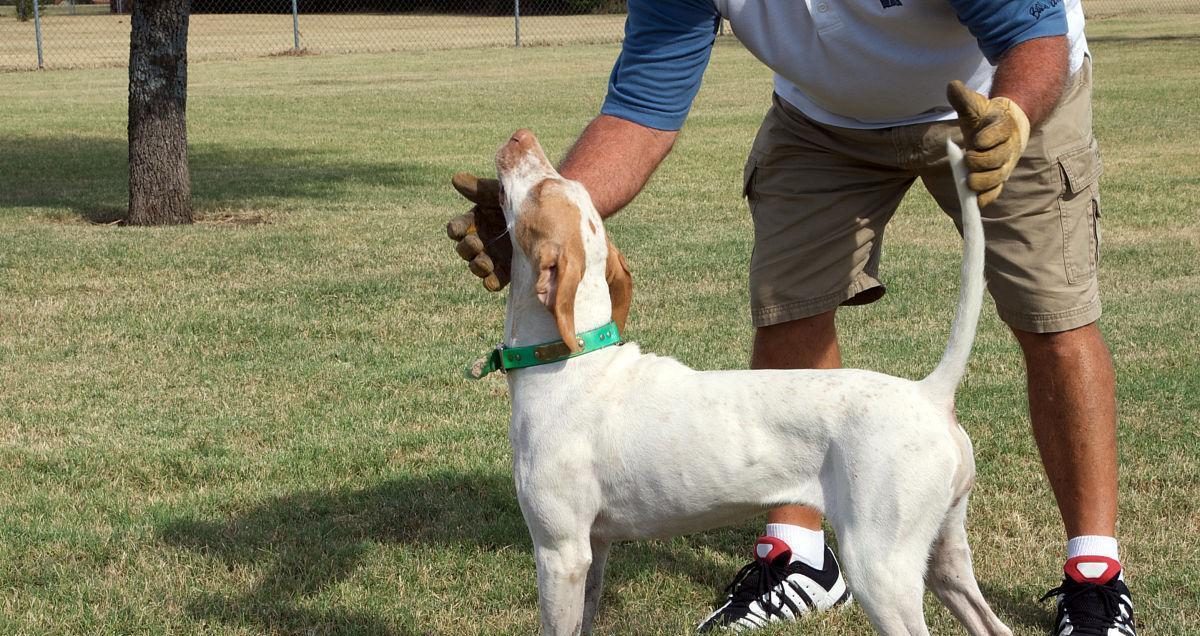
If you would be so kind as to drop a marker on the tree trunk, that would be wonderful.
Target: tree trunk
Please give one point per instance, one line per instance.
(160, 191)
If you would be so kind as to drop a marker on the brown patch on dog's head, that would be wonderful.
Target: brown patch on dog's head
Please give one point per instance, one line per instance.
(548, 232)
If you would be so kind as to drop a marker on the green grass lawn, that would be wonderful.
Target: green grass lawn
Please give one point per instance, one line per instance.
(257, 425)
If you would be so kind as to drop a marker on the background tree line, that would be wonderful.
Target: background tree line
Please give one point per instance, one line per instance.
(466, 7)
(24, 8)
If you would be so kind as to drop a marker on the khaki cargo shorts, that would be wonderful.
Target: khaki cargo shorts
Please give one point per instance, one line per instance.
(821, 197)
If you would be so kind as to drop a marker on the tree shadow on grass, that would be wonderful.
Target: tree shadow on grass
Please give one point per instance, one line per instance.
(1135, 38)
(89, 177)
(302, 544)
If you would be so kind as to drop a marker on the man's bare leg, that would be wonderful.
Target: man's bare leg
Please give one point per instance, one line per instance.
(1072, 405)
(808, 343)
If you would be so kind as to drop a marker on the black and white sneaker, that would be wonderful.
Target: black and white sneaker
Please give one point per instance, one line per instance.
(1093, 599)
(772, 588)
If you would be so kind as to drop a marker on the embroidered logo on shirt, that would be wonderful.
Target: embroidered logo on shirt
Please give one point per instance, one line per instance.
(1037, 8)
(887, 4)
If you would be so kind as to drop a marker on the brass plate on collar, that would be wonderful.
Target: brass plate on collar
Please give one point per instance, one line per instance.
(551, 351)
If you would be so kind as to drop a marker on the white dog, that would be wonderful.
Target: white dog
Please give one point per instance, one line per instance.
(612, 444)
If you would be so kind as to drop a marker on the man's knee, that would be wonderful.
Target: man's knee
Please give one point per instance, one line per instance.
(805, 343)
(1062, 345)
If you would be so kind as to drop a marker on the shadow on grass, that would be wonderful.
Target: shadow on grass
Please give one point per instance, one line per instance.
(1017, 608)
(1142, 38)
(305, 543)
(89, 176)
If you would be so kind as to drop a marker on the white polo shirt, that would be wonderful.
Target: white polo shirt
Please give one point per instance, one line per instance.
(859, 64)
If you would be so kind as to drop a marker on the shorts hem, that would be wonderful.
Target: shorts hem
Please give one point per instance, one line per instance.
(798, 309)
(1051, 322)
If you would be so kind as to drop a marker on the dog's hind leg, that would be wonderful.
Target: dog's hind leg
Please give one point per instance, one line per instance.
(595, 583)
(562, 569)
(889, 590)
(953, 579)
(885, 558)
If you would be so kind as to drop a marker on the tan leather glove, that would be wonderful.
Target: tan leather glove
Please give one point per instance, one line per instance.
(480, 232)
(995, 132)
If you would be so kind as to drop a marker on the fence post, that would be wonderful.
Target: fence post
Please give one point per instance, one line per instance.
(517, 20)
(37, 29)
(295, 27)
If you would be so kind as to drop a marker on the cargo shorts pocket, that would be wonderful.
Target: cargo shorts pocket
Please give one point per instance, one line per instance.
(1079, 211)
(748, 177)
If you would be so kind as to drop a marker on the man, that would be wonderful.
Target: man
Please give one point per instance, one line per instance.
(860, 112)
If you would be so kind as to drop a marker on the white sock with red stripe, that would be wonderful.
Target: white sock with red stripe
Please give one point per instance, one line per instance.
(806, 545)
(1092, 559)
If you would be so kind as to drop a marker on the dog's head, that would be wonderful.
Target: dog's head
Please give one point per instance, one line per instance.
(558, 233)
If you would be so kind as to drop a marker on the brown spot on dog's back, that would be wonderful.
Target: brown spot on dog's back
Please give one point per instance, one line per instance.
(592, 226)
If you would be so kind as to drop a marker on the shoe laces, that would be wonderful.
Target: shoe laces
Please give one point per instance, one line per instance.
(753, 582)
(1092, 607)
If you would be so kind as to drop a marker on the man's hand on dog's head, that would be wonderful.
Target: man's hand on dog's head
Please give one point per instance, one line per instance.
(478, 233)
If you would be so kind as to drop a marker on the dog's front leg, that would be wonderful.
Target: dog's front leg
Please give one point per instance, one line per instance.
(595, 584)
(562, 570)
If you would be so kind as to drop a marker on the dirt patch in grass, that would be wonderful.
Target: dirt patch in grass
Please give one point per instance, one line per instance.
(294, 53)
(234, 218)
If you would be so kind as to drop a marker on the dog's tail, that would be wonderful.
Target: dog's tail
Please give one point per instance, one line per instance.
(944, 380)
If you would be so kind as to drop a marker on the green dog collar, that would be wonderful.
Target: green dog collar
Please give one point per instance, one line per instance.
(503, 358)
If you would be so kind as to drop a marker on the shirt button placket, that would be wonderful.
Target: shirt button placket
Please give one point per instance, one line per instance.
(823, 14)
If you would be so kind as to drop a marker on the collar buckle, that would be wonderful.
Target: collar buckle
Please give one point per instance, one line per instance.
(497, 356)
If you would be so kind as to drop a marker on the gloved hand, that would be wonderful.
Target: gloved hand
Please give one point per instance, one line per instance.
(995, 132)
(479, 232)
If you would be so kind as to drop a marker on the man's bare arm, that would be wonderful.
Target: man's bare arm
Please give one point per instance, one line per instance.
(1033, 74)
(614, 159)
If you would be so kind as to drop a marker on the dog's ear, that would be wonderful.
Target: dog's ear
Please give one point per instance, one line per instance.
(559, 268)
(620, 285)
(548, 232)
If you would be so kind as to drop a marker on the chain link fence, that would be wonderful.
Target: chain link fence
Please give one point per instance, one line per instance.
(58, 34)
(87, 33)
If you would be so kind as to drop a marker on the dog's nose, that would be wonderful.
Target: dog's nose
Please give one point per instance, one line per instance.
(521, 136)
(523, 139)
(522, 144)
